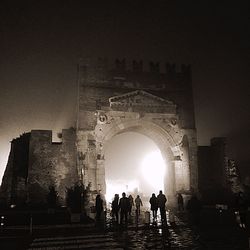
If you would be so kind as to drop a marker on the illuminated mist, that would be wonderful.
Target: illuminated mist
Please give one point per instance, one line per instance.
(133, 164)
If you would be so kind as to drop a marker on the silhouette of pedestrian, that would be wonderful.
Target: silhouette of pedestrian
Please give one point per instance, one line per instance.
(194, 207)
(138, 204)
(115, 207)
(241, 207)
(153, 205)
(180, 202)
(124, 207)
(99, 207)
(131, 204)
(161, 200)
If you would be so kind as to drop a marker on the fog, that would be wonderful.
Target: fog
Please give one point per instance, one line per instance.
(133, 165)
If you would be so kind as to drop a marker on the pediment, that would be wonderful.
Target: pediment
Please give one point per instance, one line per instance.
(141, 101)
(139, 98)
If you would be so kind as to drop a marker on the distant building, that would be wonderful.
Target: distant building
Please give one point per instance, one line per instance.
(213, 171)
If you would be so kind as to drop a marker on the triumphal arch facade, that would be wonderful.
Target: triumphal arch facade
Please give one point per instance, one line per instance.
(153, 100)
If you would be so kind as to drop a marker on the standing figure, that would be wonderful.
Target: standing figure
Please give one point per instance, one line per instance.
(124, 206)
(180, 202)
(99, 207)
(194, 207)
(153, 205)
(115, 207)
(138, 204)
(241, 206)
(161, 200)
(131, 204)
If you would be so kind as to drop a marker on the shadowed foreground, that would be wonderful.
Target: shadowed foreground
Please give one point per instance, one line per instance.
(216, 231)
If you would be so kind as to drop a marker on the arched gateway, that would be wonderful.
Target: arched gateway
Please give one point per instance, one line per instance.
(158, 105)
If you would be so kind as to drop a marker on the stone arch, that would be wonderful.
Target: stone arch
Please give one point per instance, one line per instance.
(169, 147)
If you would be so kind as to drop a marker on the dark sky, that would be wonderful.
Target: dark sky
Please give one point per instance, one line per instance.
(41, 42)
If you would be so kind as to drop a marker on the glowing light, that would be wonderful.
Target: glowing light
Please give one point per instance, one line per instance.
(118, 187)
(153, 170)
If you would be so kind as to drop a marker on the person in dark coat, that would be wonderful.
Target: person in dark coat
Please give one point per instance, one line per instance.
(98, 207)
(180, 202)
(131, 204)
(153, 205)
(161, 200)
(241, 207)
(194, 207)
(138, 204)
(115, 207)
(124, 207)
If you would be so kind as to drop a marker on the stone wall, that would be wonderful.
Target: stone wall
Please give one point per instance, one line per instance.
(51, 164)
(13, 188)
(35, 163)
(156, 103)
(98, 83)
(212, 167)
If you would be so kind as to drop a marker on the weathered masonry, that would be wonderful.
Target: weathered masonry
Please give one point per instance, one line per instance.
(158, 105)
(156, 102)
(35, 163)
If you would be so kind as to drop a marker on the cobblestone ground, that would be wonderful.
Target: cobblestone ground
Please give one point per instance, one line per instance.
(217, 231)
(155, 235)
(110, 235)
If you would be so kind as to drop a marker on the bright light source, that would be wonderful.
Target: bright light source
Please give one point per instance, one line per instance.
(153, 170)
(118, 187)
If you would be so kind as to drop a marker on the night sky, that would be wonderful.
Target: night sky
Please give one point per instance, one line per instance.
(42, 41)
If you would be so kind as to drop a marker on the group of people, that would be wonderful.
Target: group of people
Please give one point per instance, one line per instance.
(124, 206)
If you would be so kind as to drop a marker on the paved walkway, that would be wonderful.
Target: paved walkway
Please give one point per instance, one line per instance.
(139, 235)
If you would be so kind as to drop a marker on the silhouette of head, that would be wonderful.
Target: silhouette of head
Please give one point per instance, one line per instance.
(123, 194)
(153, 194)
(160, 192)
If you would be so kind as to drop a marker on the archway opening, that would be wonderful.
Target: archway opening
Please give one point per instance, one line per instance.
(133, 164)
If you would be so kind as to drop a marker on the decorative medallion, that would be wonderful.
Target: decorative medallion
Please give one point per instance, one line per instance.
(102, 118)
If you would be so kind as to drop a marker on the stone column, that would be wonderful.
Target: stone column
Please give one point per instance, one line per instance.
(100, 176)
(193, 160)
(87, 162)
(170, 185)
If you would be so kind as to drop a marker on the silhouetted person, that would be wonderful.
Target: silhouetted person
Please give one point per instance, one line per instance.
(180, 202)
(52, 197)
(161, 200)
(131, 203)
(124, 207)
(98, 207)
(138, 204)
(153, 205)
(115, 207)
(194, 207)
(241, 207)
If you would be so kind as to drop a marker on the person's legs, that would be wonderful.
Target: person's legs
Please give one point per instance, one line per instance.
(126, 218)
(122, 215)
(138, 209)
(98, 215)
(115, 214)
(163, 213)
(155, 213)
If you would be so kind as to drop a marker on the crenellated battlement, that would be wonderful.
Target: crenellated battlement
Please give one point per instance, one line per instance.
(122, 66)
(46, 136)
